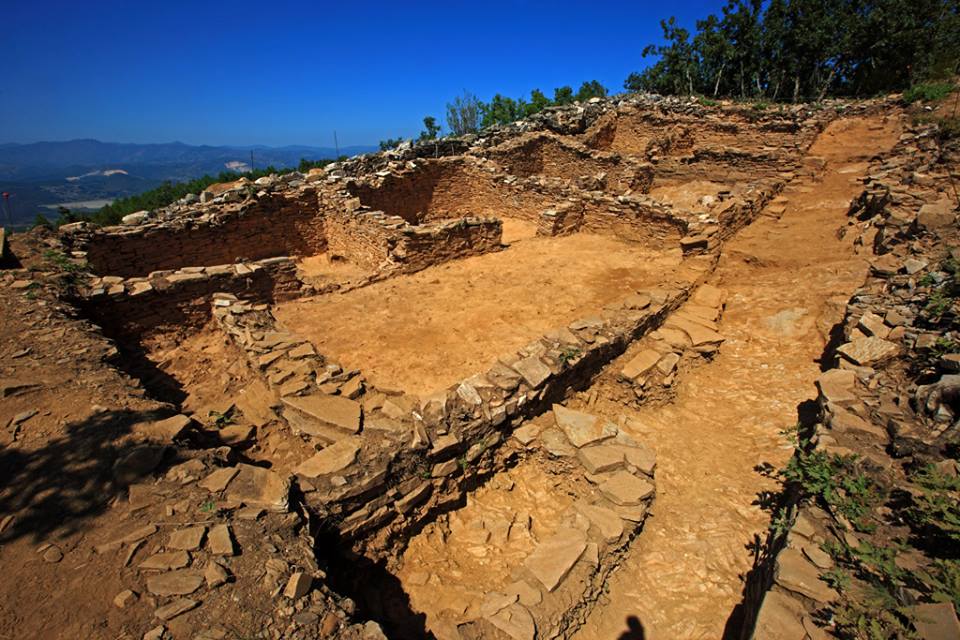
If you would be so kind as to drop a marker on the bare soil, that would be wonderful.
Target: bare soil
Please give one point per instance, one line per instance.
(420, 333)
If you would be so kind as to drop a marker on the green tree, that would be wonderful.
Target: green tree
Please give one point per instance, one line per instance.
(563, 95)
(390, 143)
(431, 129)
(501, 110)
(591, 89)
(538, 102)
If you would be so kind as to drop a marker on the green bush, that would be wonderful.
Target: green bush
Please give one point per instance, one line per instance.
(927, 92)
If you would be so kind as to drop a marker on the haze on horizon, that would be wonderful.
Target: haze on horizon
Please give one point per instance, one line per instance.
(286, 73)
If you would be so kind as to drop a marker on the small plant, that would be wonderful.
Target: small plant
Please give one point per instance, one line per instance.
(209, 506)
(935, 508)
(760, 106)
(220, 420)
(838, 483)
(938, 304)
(570, 354)
(462, 463)
(927, 92)
(942, 581)
(707, 102)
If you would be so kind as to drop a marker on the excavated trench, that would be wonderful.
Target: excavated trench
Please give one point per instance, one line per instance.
(629, 509)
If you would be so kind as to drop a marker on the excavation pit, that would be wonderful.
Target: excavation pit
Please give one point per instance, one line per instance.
(422, 332)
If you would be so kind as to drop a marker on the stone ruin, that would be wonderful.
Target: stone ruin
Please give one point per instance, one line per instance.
(383, 467)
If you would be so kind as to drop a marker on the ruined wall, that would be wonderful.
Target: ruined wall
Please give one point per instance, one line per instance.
(277, 224)
(448, 188)
(426, 245)
(552, 156)
(181, 300)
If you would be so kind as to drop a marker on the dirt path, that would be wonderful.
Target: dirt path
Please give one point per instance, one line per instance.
(787, 281)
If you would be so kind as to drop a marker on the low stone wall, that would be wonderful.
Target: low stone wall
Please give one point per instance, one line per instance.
(429, 244)
(389, 459)
(267, 225)
(179, 301)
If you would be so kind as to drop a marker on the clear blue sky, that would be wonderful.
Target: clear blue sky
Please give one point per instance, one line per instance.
(282, 72)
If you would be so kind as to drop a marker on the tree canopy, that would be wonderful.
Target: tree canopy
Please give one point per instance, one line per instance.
(805, 49)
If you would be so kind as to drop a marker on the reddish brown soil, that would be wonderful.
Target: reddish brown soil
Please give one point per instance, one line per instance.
(422, 332)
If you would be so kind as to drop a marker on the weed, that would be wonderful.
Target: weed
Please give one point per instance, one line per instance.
(220, 420)
(838, 483)
(209, 506)
(942, 581)
(569, 355)
(707, 102)
(938, 304)
(462, 463)
(760, 106)
(935, 507)
(875, 615)
(927, 92)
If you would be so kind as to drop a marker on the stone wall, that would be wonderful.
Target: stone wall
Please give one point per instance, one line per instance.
(268, 225)
(179, 301)
(448, 188)
(552, 156)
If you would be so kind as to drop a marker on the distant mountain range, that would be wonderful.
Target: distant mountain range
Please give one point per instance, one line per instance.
(82, 174)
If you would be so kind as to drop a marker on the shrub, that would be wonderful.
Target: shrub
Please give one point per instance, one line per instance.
(927, 92)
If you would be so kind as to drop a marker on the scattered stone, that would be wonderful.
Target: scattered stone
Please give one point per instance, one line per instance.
(124, 599)
(601, 458)
(640, 365)
(624, 488)
(552, 559)
(138, 463)
(836, 386)
(219, 479)
(259, 487)
(332, 459)
(187, 539)
(52, 554)
(175, 608)
(606, 521)
(215, 575)
(298, 585)
(582, 428)
(164, 431)
(515, 620)
(872, 325)
(936, 621)
(795, 573)
(219, 541)
(157, 633)
(174, 583)
(869, 351)
(166, 561)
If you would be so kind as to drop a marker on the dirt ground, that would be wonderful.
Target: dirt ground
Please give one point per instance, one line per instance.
(787, 282)
(420, 333)
(687, 196)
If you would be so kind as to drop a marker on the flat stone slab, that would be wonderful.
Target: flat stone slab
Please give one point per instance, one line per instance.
(166, 561)
(175, 608)
(552, 559)
(533, 371)
(174, 583)
(699, 335)
(219, 479)
(332, 459)
(259, 487)
(607, 522)
(601, 458)
(164, 430)
(582, 428)
(625, 489)
(866, 352)
(640, 365)
(219, 540)
(188, 539)
(836, 386)
(797, 574)
(334, 411)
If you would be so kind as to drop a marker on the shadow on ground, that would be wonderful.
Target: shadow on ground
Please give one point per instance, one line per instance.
(58, 487)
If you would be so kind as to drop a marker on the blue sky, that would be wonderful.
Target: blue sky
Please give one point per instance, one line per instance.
(282, 73)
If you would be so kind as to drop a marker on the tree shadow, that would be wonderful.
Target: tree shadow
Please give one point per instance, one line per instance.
(634, 630)
(56, 488)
